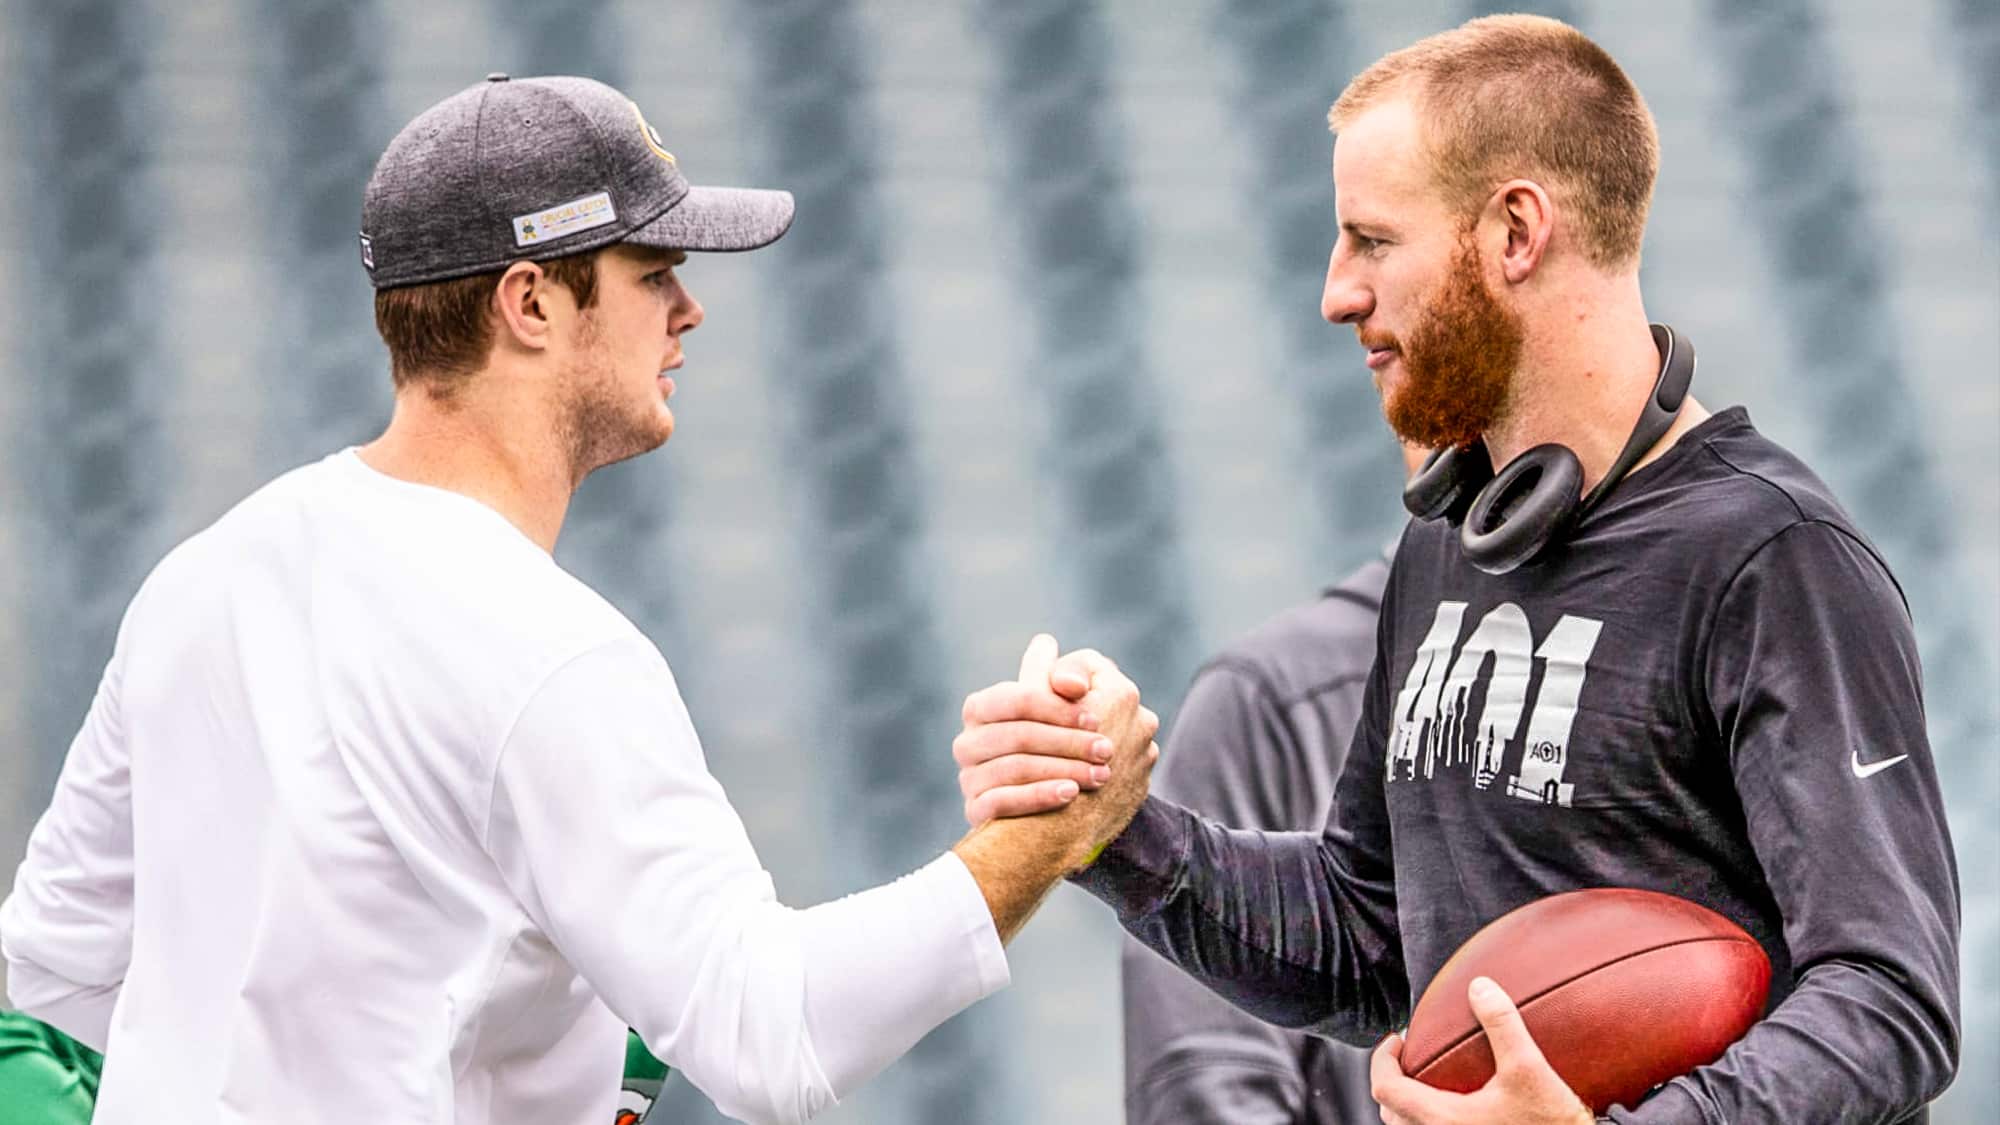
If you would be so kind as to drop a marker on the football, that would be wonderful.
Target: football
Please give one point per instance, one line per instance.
(1622, 989)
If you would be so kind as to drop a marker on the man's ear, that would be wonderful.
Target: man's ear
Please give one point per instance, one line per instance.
(1529, 217)
(526, 300)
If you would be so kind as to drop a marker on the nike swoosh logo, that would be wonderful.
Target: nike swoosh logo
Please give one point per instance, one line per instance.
(1872, 768)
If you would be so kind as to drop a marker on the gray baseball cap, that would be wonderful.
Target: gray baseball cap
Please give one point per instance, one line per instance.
(540, 168)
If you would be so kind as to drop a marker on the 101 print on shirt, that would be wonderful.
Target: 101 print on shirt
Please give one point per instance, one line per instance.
(1436, 728)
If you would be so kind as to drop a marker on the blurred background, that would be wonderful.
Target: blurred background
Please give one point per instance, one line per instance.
(1041, 352)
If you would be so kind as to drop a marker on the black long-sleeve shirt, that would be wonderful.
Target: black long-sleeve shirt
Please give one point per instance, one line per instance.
(1712, 690)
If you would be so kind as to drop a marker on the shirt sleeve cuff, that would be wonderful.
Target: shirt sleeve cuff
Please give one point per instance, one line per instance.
(968, 904)
(1142, 868)
(888, 964)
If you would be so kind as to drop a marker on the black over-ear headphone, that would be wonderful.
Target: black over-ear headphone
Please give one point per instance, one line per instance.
(1504, 520)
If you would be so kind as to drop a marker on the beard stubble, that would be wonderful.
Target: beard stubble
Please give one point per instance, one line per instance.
(599, 423)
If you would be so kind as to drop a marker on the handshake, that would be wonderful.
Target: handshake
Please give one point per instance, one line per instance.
(1052, 765)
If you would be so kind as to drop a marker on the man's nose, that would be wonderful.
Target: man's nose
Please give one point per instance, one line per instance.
(1342, 301)
(688, 314)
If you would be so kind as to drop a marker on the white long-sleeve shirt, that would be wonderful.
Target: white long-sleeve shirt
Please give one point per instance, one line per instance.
(379, 815)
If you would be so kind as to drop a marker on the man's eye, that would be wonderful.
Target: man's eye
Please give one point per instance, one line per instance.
(1366, 245)
(657, 277)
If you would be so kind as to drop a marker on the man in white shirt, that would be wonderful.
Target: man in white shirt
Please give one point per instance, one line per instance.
(380, 816)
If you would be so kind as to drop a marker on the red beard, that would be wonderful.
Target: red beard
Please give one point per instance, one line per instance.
(1458, 362)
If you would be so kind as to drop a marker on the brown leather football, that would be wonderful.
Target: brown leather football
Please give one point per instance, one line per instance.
(1622, 989)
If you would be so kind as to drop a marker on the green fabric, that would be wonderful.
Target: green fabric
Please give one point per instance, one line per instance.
(46, 1078)
(641, 1085)
(641, 1088)
(640, 1063)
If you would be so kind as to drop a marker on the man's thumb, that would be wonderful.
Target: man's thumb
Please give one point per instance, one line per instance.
(1036, 662)
(1506, 1032)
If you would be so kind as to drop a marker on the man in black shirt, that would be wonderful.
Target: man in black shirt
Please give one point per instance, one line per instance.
(1706, 684)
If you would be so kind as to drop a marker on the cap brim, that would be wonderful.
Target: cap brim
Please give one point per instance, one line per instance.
(719, 218)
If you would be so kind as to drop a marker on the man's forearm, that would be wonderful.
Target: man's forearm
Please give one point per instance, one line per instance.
(1017, 862)
(1853, 1043)
(886, 965)
(1261, 918)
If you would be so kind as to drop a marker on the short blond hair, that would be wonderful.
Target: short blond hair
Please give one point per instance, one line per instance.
(1527, 96)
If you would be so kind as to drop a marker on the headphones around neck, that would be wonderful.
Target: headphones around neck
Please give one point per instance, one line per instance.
(1505, 520)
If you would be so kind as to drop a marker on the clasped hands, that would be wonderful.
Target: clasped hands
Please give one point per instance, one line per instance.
(1068, 736)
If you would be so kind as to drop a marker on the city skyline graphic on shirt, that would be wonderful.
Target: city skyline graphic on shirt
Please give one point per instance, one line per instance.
(1462, 703)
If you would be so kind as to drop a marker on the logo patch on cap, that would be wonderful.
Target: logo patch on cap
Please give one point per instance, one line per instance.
(652, 136)
(564, 219)
(368, 252)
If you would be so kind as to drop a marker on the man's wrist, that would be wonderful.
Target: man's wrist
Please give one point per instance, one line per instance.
(1143, 862)
(1017, 861)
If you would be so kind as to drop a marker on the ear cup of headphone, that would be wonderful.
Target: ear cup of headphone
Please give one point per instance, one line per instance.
(1526, 506)
(1445, 486)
